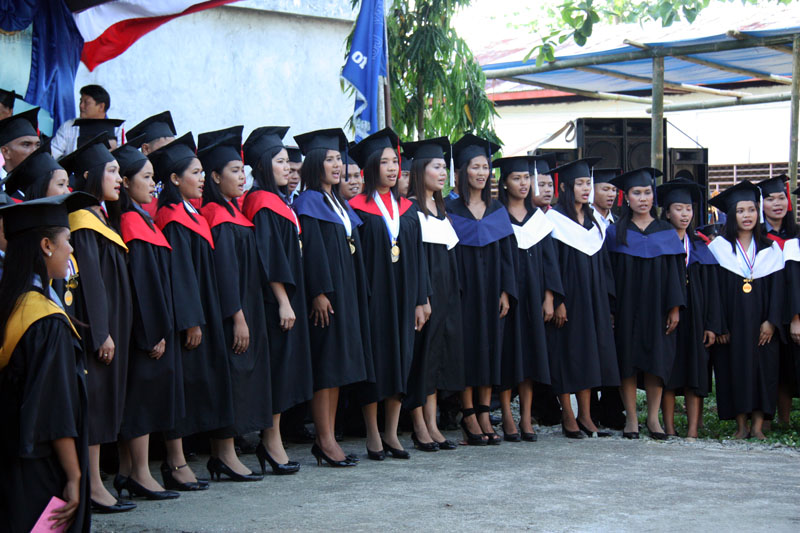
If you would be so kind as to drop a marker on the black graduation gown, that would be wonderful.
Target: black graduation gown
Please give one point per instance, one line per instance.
(241, 285)
(486, 256)
(438, 362)
(43, 397)
(103, 300)
(650, 277)
(207, 388)
(582, 352)
(702, 313)
(278, 248)
(341, 353)
(395, 289)
(789, 371)
(525, 337)
(154, 400)
(746, 375)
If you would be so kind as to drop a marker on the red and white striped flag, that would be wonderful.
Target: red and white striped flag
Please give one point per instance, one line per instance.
(109, 27)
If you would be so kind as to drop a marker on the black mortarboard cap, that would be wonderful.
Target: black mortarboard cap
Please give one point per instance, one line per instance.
(129, 154)
(518, 163)
(605, 175)
(215, 149)
(43, 212)
(580, 168)
(773, 185)
(438, 148)
(154, 127)
(7, 98)
(639, 177)
(743, 191)
(20, 125)
(678, 191)
(542, 163)
(405, 163)
(166, 158)
(33, 168)
(89, 128)
(330, 139)
(378, 141)
(262, 139)
(347, 160)
(295, 155)
(711, 230)
(95, 152)
(470, 146)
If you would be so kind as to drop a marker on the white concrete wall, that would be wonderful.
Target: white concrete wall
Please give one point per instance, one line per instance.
(247, 65)
(733, 135)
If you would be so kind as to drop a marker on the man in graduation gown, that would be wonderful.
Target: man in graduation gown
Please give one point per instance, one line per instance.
(19, 137)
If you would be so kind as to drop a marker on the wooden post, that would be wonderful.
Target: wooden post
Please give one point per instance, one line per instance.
(795, 118)
(657, 116)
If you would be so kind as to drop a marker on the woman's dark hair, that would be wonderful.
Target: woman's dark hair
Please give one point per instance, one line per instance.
(463, 184)
(212, 192)
(313, 170)
(263, 177)
(626, 216)
(566, 199)
(416, 187)
(170, 194)
(372, 175)
(789, 223)
(502, 193)
(39, 187)
(731, 231)
(93, 184)
(24, 258)
(690, 231)
(125, 202)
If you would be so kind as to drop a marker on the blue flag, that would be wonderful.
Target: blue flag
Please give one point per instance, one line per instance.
(366, 62)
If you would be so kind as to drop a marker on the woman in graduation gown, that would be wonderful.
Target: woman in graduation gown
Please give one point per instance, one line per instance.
(240, 286)
(103, 300)
(645, 253)
(751, 297)
(43, 397)
(397, 281)
(525, 357)
(335, 286)
(208, 396)
(277, 232)
(438, 364)
(154, 399)
(781, 226)
(486, 256)
(701, 319)
(580, 340)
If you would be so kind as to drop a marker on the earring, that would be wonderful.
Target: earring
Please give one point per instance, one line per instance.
(49, 254)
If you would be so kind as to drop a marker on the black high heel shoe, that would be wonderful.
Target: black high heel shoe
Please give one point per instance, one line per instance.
(432, 446)
(119, 484)
(395, 452)
(512, 437)
(134, 488)
(216, 468)
(472, 439)
(529, 437)
(493, 438)
(353, 458)
(376, 456)
(446, 444)
(320, 456)
(592, 434)
(632, 435)
(170, 483)
(656, 435)
(571, 434)
(278, 469)
(120, 506)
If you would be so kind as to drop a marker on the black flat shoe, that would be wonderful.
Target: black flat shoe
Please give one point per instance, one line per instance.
(571, 434)
(134, 488)
(395, 452)
(170, 483)
(320, 456)
(592, 434)
(278, 469)
(119, 484)
(424, 446)
(633, 435)
(121, 506)
(216, 468)
(472, 439)
(447, 445)
(656, 435)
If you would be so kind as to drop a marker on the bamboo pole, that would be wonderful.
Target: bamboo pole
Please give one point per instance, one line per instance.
(736, 34)
(667, 84)
(599, 95)
(657, 116)
(795, 119)
(711, 104)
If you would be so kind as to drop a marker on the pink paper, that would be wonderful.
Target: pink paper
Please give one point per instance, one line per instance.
(44, 523)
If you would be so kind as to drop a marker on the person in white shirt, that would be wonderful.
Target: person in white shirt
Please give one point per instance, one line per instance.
(94, 103)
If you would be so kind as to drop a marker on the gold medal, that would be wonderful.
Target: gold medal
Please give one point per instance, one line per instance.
(68, 298)
(352, 247)
(395, 253)
(746, 288)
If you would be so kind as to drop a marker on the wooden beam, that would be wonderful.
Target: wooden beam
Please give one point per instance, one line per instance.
(711, 104)
(795, 118)
(742, 36)
(657, 117)
(599, 95)
(667, 84)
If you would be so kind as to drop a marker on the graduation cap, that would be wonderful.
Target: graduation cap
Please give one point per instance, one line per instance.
(438, 148)
(377, 142)
(92, 154)
(154, 127)
(678, 191)
(405, 163)
(349, 161)
(37, 166)
(167, 157)
(640, 177)
(542, 164)
(7, 98)
(470, 146)
(43, 212)
(89, 128)
(129, 155)
(329, 139)
(744, 191)
(262, 139)
(580, 168)
(773, 185)
(215, 149)
(605, 175)
(711, 230)
(295, 155)
(23, 124)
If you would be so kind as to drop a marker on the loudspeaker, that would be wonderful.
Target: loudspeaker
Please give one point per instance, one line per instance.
(619, 142)
(691, 163)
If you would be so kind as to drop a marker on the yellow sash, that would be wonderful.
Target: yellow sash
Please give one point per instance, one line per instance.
(30, 307)
(84, 219)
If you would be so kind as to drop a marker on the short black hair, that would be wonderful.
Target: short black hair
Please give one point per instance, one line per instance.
(98, 94)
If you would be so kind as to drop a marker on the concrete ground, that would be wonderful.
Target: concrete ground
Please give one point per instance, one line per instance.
(552, 485)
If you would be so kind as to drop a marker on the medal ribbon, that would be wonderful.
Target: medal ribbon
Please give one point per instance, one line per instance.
(686, 247)
(749, 262)
(392, 224)
(341, 213)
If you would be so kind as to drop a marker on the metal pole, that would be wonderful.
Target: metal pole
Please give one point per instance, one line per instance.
(657, 116)
(795, 120)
